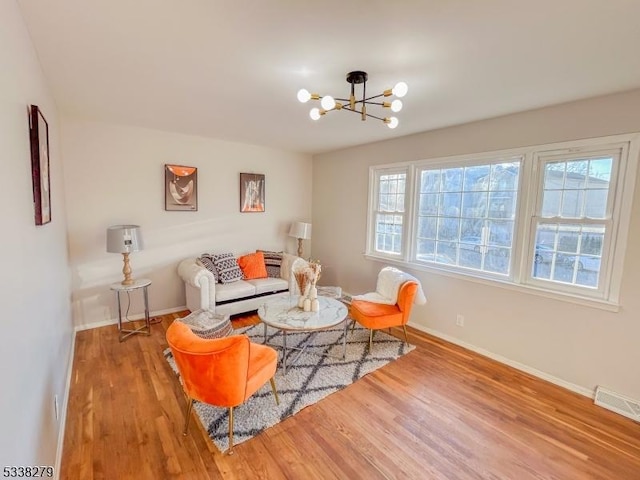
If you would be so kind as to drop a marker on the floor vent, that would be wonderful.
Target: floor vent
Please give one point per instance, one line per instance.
(617, 403)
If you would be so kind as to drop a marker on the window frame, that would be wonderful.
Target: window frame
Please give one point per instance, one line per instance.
(467, 161)
(374, 197)
(609, 221)
(528, 205)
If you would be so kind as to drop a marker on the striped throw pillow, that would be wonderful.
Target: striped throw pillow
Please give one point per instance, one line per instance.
(273, 262)
(206, 261)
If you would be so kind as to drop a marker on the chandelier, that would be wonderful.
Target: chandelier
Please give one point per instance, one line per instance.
(329, 103)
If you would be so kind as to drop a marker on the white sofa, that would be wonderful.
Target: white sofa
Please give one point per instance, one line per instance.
(202, 292)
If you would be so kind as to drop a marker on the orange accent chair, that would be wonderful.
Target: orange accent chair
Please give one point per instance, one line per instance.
(223, 372)
(376, 316)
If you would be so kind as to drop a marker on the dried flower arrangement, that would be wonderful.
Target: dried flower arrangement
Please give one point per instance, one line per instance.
(316, 268)
(307, 276)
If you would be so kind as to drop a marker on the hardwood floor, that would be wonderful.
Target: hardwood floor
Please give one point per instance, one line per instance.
(440, 412)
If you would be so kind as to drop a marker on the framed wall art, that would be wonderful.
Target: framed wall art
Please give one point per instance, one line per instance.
(252, 192)
(180, 188)
(39, 139)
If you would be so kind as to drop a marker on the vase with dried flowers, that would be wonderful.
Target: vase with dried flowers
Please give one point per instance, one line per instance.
(306, 278)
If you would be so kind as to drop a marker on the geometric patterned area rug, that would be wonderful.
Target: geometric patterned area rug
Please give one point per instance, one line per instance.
(317, 373)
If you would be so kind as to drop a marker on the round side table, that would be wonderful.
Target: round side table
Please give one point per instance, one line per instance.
(141, 283)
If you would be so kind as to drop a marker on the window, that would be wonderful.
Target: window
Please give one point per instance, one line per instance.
(553, 217)
(389, 212)
(573, 218)
(466, 215)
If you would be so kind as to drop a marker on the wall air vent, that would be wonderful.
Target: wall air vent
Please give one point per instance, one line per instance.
(617, 403)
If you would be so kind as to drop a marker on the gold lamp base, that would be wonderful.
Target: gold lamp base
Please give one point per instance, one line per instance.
(126, 270)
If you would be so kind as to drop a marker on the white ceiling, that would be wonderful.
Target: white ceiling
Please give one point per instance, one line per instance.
(230, 69)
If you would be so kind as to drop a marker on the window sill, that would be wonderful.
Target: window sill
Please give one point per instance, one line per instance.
(528, 289)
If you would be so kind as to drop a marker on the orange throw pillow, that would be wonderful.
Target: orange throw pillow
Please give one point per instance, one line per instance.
(252, 266)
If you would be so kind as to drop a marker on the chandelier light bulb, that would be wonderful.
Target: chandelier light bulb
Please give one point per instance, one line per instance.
(314, 113)
(327, 102)
(392, 123)
(396, 105)
(303, 95)
(400, 90)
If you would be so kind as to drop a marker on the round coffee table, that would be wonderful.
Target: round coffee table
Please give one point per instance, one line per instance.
(284, 315)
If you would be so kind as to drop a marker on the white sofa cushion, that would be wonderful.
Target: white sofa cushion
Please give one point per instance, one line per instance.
(235, 290)
(268, 285)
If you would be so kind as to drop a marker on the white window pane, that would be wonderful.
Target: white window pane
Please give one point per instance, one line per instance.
(497, 260)
(383, 203)
(470, 256)
(450, 204)
(576, 174)
(551, 203)
(554, 175)
(428, 204)
(400, 202)
(427, 227)
(426, 248)
(452, 179)
(596, 203)
(504, 176)
(477, 178)
(600, 173)
(430, 181)
(391, 203)
(572, 203)
(568, 238)
(445, 253)
(448, 228)
(474, 204)
(500, 233)
(592, 239)
(471, 230)
(502, 204)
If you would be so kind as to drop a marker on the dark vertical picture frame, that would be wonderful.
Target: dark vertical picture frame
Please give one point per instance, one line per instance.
(40, 176)
(180, 188)
(252, 187)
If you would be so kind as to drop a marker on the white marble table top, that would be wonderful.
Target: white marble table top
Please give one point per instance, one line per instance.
(283, 313)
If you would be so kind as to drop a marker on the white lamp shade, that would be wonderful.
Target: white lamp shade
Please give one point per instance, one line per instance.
(300, 230)
(124, 239)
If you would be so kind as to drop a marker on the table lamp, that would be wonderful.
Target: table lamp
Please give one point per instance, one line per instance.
(301, 231)
(124, 239)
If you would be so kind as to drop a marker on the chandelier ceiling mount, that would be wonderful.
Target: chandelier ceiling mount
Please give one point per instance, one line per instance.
(357, 77)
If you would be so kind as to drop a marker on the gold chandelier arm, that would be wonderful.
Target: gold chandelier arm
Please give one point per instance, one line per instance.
(360, 113)
(375, 96)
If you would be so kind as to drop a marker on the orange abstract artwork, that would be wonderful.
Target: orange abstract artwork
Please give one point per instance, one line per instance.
(181, 188)
(252, 192)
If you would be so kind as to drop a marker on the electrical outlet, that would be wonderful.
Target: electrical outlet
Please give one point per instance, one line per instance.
(460, 320)
(55, 407)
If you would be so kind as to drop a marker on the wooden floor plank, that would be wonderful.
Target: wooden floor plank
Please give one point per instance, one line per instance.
(440, 412)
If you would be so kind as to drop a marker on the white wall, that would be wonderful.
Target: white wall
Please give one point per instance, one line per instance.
(34, 279)
(115, 174)
(583, 346)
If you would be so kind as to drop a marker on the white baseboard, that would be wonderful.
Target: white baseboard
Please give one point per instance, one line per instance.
(499, 358)
(65, 403)
(114, 321)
